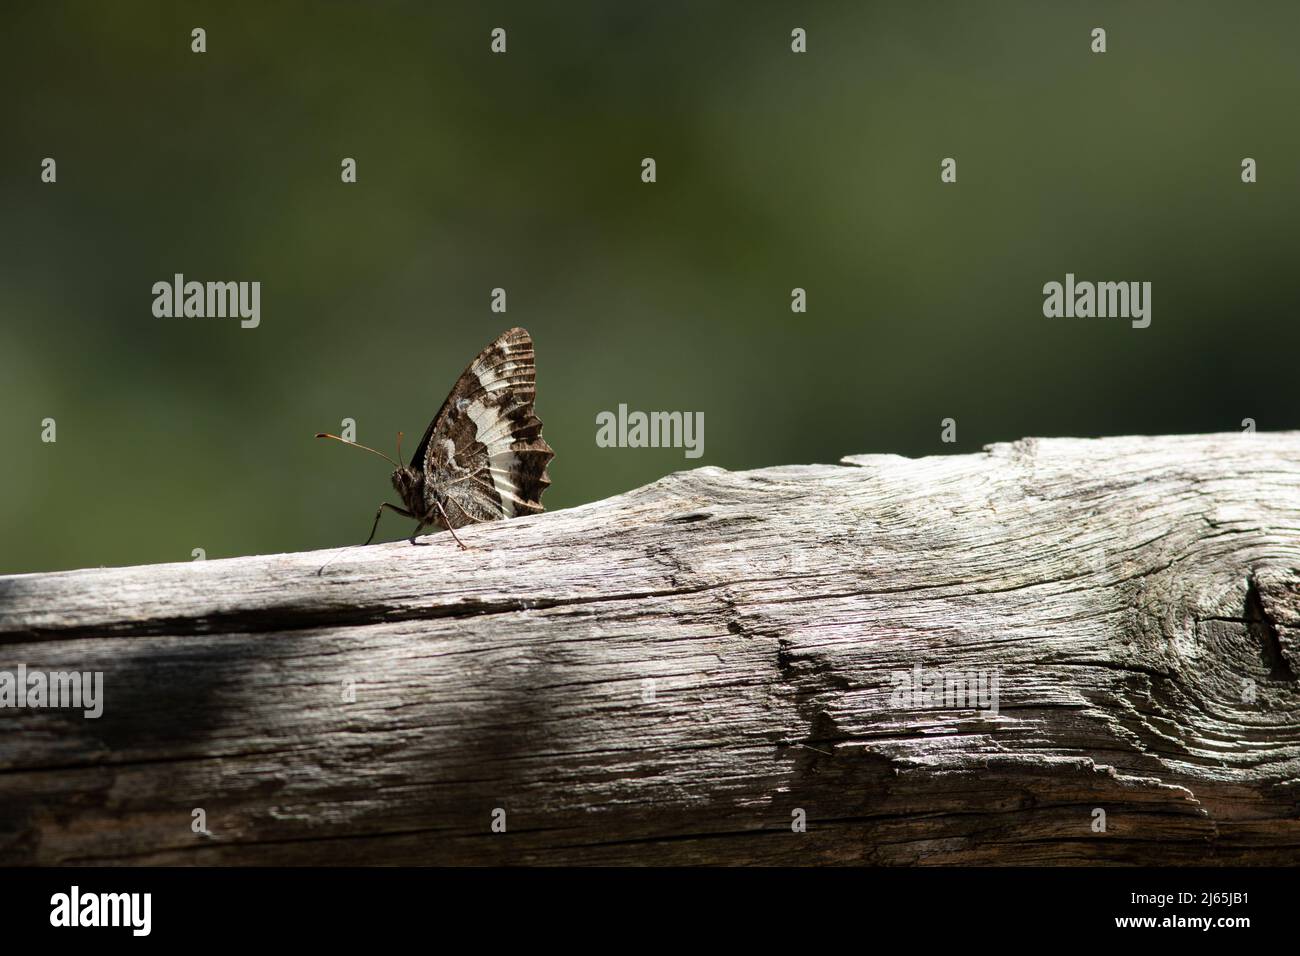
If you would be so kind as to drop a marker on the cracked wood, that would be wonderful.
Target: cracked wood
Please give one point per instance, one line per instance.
(1139, 599)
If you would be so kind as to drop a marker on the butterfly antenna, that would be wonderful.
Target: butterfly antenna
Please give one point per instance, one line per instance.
(359, 445)
(338, 555)
(399, 446)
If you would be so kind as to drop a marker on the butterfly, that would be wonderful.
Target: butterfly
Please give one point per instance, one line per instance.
(483, 457)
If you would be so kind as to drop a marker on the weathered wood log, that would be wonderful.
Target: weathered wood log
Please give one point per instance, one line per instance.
(683, 673)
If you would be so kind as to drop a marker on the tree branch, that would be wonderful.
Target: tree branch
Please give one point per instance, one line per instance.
(675, 674)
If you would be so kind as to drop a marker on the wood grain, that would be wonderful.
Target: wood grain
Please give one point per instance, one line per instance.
(1138, 600)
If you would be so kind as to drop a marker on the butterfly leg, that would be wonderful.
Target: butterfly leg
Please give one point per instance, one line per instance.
(447, 522)
(375, 527)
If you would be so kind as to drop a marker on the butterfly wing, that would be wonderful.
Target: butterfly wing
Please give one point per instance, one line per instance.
(483, 455)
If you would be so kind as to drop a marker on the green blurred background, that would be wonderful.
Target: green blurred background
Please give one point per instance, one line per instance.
(522, 171)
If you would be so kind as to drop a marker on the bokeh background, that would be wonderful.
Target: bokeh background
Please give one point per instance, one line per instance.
(522, 171)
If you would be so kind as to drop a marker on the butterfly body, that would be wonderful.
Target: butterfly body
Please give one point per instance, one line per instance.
(482, 457)
(410, 488)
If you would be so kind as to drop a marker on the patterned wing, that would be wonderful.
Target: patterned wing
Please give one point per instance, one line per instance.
(483, 455)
